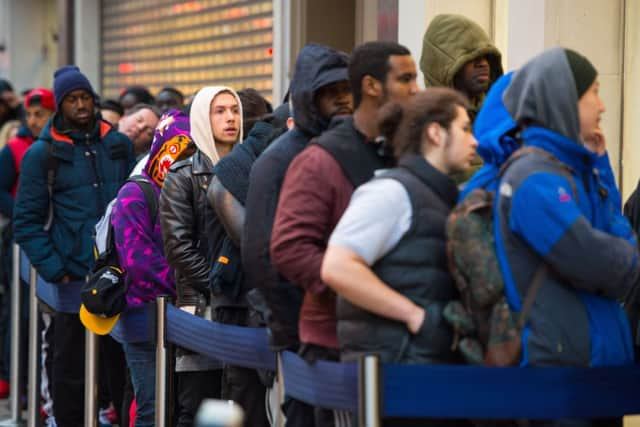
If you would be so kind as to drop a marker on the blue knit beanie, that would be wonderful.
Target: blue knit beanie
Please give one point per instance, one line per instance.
(67, 79)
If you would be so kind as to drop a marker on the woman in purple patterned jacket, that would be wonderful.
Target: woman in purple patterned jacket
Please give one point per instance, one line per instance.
(140, 250)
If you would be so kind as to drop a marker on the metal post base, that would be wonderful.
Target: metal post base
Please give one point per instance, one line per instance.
(8, 423)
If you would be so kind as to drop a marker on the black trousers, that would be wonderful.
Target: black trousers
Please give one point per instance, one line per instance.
(311, 353)
(298, 413)
(68, 370)
(193, 388)
(244, 387)
(112, 371)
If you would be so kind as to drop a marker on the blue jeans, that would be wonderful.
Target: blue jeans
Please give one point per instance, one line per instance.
(141, 359)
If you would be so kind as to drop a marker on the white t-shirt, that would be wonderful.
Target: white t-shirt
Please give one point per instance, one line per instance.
(137, 170)
(377, 217)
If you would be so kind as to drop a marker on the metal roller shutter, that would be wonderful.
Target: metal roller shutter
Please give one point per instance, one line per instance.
(187, 45)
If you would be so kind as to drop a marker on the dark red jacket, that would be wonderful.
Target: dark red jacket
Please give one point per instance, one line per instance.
(18, 146)
(315, 193)
(314, 196)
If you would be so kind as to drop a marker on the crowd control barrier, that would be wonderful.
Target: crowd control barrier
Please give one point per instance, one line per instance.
(372, 390)
(61, 299)
(16, 371)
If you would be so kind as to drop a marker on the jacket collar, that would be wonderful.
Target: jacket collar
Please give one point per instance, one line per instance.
(568, 151)
(61, 131)
(432, 177)
(200, 164)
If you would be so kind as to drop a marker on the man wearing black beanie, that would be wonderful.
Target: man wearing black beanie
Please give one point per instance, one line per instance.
(67, 178)
(558, 211)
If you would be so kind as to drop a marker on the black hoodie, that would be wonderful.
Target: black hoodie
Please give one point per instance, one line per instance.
(316, 66)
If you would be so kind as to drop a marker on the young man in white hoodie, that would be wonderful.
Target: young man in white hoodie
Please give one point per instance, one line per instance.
(193, 235)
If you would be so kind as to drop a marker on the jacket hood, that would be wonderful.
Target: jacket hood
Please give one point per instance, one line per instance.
(544, 93)
(450, 42)
(316, 66)
(493, 123)
(170, 140)
(199, 120)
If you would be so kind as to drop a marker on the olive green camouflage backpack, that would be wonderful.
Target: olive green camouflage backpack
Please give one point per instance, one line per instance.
(486, 331)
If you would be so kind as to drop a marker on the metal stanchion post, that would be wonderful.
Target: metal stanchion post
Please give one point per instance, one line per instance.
(279, 418)
(369, 392)
(91, 379)
(16, 377)
(33, 413)
(161, 362)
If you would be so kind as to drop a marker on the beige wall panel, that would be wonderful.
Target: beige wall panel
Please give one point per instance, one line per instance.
(591, 27)
(30, 51)
(525, 29)
(631, 132)
(478, 10)
(412, 23)
(610, 93)
(594, 28)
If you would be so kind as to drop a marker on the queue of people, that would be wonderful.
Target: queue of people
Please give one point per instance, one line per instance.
(324, 219)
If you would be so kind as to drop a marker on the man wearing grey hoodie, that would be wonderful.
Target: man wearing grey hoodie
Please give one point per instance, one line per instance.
(562, 217)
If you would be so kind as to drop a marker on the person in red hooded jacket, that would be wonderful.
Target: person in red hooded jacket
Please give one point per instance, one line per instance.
(39, 105)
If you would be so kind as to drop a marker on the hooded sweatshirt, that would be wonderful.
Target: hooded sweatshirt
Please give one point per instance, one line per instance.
(567, 218)
(450, 42)
(200, 123)
(10, 160)
(137, 236)
(316, 66)
(494, 130)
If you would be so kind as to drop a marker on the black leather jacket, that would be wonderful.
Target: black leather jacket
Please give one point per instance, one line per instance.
(191, 231)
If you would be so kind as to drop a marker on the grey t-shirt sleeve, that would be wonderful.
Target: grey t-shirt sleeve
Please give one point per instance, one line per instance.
(377, 217)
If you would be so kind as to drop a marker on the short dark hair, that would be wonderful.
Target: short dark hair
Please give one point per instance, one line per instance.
(111, 105)
(402, 125)
(141, 93)
(254, 108)
(371, 59)
(172, 90)
(141, 106)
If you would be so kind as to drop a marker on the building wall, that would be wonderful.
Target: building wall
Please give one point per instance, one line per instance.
(631, 100)
(601, 30)
(28, 32)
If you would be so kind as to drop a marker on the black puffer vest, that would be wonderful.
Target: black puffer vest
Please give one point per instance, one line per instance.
(417, 268)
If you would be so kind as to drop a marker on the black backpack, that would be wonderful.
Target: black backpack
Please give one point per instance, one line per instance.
(107, 262)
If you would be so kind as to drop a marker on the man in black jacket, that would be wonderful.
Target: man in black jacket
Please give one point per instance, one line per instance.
(192, 234)
(319, 91)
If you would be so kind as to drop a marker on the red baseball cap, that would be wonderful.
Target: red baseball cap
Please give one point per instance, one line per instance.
(47, 99)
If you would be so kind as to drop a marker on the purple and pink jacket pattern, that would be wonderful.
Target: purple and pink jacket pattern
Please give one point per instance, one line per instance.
(139, 246)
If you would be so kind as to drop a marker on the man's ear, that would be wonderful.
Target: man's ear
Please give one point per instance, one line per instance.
(434, 134)
(371, 87)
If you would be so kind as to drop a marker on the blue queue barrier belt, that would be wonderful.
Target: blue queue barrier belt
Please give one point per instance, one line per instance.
(24, 267)
(534, 393)
(135, 325)
(417, 391)
(63, 298)
(235, 345)
(330, 385)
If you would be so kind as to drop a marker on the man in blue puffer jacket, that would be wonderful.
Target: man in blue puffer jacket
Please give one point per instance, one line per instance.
(90, 161)
(567, 217)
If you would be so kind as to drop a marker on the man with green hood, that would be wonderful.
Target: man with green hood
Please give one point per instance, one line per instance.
(457, 53)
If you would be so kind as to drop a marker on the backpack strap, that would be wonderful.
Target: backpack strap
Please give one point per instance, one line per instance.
(542, 270)
(527, 150)
(150, 197)
(51, 163)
